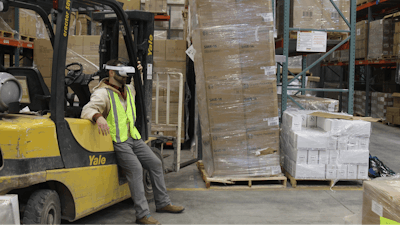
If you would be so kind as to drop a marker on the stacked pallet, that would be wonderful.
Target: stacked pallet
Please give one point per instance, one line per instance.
(236, 87)
(320, 146)
(379, 104)
(393, 113)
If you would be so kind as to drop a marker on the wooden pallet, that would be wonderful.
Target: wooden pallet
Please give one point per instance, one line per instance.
(324, 183)
(232, 183)
(6, 34)
(28, 38)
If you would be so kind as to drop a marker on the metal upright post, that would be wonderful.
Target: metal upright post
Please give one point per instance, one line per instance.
(367, 71)
(304, 77)
(16, 27)
(352, 50)
(278, 73)
(286, 54)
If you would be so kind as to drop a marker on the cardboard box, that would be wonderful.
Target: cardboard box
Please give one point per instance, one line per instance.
(159, 50)
(396, 100)
(234, 144)
(331, 171)
(362, 172)
(309, 140)
(380, 38)
(216, 13)
(307, 171)
(306, 14)
(354, 156)
(75, 43)
(91, 45)
(323, 157)
(264, 142)
(333, 156)
(342, 171)
(381, 198)
(131, 4)
(82, 23)
(43, 56)
(352, 171)
(175, 50)
(158, 6)
(312, 157)
(27, 21)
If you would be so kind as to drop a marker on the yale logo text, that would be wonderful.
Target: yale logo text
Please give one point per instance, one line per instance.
(94, 161)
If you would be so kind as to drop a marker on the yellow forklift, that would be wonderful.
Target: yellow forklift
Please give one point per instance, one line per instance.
(58, 164)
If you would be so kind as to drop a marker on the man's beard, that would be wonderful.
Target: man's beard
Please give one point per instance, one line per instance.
(120, 80)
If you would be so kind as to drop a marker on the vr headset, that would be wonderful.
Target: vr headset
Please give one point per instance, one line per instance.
(123, 71)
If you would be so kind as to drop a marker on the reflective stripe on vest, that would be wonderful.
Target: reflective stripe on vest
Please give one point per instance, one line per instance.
(117, 118)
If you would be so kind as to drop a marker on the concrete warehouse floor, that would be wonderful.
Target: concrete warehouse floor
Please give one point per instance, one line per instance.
(258, 206)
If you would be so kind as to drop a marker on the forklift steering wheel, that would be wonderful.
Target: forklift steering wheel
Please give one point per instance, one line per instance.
(74, 64)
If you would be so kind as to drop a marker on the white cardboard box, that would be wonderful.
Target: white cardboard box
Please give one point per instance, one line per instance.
(310, 139)
(313, 157)
(9, 209)
(330, 125)
(311, 121)
(358, 127)
(331, 171)
(342, 171)
(323, 157)
(354, 156)
(299, 156)
(352, 171)
(332, 143)
(333, 156)
(306, 171)
(363, 143)
(342, 142)
(353, 143)
(362, 172)
(294, 122)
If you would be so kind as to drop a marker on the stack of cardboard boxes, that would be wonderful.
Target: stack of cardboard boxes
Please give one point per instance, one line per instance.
(319, 146)
(169, 56)
(314, 14)
(359, 102)
(156, 6)
(393, 113)
(27, 22)
(361, 39)
(236, 87)
(380, 38)
(83, 49)
(379, 104)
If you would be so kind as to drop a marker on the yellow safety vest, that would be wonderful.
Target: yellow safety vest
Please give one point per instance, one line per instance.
(117, 121)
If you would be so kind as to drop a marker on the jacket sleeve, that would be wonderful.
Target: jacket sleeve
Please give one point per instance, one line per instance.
(99, 103)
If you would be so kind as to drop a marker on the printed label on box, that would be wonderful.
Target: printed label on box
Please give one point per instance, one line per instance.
(377, 208)
(274, 121)
(269, 70)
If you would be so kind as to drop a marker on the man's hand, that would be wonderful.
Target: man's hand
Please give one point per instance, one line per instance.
(103, 126)
(140, 67)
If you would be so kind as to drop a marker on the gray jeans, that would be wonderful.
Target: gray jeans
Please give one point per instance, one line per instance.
(131, 156)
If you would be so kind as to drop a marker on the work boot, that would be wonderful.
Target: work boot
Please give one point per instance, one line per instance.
(147, 220)
(171, 209)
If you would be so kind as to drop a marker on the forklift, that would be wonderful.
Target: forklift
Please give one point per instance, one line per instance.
(58, 164)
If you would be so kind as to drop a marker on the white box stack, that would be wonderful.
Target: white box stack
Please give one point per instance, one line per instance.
(318, 145)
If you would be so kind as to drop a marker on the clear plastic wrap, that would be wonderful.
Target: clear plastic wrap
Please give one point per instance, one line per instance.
(157, 6)
(331, 19)
(295, 62)
(380, 39)
(9, 210)
(379, 104)
(318, 145)
(236, 88)
(311, 103)
(381, 200)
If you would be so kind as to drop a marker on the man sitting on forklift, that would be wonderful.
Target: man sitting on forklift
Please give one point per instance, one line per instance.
(112, 107)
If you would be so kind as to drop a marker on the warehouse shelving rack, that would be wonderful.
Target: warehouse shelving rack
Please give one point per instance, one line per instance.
(287, 48)
(364, 12)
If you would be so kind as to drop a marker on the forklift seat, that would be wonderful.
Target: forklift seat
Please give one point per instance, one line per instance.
(39, 93)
